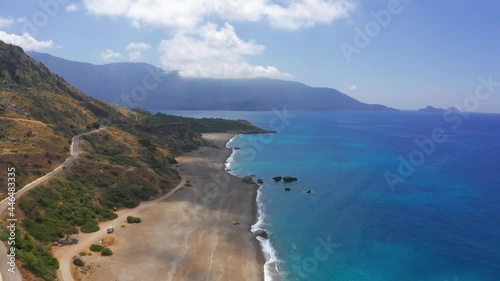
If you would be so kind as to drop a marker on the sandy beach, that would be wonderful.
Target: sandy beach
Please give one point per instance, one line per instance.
(190, 235)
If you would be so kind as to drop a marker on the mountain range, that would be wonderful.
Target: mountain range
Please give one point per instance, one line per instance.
(145, 86)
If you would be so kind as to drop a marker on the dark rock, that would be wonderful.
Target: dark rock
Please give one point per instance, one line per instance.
(288, 189)
(236, 223)
(78, 261)
(278, 179)
(261, 233)
(247, 179)
(309, 192)
(260, 181)
(237, 148)
(289, 179)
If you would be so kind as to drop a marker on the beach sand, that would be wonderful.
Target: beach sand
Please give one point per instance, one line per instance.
(190, 236)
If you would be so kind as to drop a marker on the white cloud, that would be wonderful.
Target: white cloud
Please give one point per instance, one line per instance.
(25, 41)
(140, 46)
(107, 7)
(110, 55)
(187, 14)
(307, 13)
(213, 52)
(352, 88)
(73, 7)
(6, 22)
(22, 20)
(200, 49)
(135, 50)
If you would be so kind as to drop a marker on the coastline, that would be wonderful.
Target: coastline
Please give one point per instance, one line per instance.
(190, 235)
(265, 246)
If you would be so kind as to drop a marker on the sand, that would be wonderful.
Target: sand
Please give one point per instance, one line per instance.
(190, 235)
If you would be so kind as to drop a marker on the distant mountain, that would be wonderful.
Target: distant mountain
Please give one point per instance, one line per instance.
(434, 109)
(145, 86)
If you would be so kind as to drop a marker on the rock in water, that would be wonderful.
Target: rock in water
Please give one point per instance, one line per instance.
(260, 181)
(278, 179)
(289, 179)
(288, 189)
(261, 233)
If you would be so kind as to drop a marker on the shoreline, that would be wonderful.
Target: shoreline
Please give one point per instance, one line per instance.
(265, 247)
(189, 235)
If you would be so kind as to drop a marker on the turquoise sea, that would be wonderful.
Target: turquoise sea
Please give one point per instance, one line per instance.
(396, 196)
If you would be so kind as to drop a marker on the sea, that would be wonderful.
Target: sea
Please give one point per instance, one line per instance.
(380, 196)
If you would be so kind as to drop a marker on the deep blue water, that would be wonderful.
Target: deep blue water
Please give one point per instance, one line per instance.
(440, 223)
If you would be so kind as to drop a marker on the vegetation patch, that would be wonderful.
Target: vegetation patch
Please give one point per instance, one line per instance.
(131, 219)
(106, 252)
(36, 258)
(96, 248)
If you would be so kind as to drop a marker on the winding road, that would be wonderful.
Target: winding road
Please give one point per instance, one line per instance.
(5, 275)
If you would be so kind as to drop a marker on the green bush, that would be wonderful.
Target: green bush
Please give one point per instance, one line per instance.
(83, 254)
(89, 227)
(4, 235)
(106, 252)
(36, 259)
(131, 219)
(96, 248)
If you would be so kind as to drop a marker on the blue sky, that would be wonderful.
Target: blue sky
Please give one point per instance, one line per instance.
(427, 53)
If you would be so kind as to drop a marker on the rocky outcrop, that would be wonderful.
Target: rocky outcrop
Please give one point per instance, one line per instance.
(262, 233)
(285, 179)
(260, 181)
(247, 179)
(288, 189)
(289, 179)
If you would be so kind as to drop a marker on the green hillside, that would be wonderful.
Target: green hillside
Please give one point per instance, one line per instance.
(130, 161)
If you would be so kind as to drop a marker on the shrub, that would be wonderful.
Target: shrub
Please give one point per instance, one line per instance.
(89, 227)
(83, 254)
(172, 160)
(131, 219)
(96, 248)
(106, 252)
(4, 235)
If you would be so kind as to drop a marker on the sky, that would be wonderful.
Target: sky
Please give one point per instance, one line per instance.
(401, 53)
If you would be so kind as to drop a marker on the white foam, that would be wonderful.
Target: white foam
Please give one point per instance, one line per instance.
(271, 270)
(230, 160)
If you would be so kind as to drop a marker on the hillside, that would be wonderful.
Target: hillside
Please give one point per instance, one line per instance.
(116, 82)
(130, 160)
